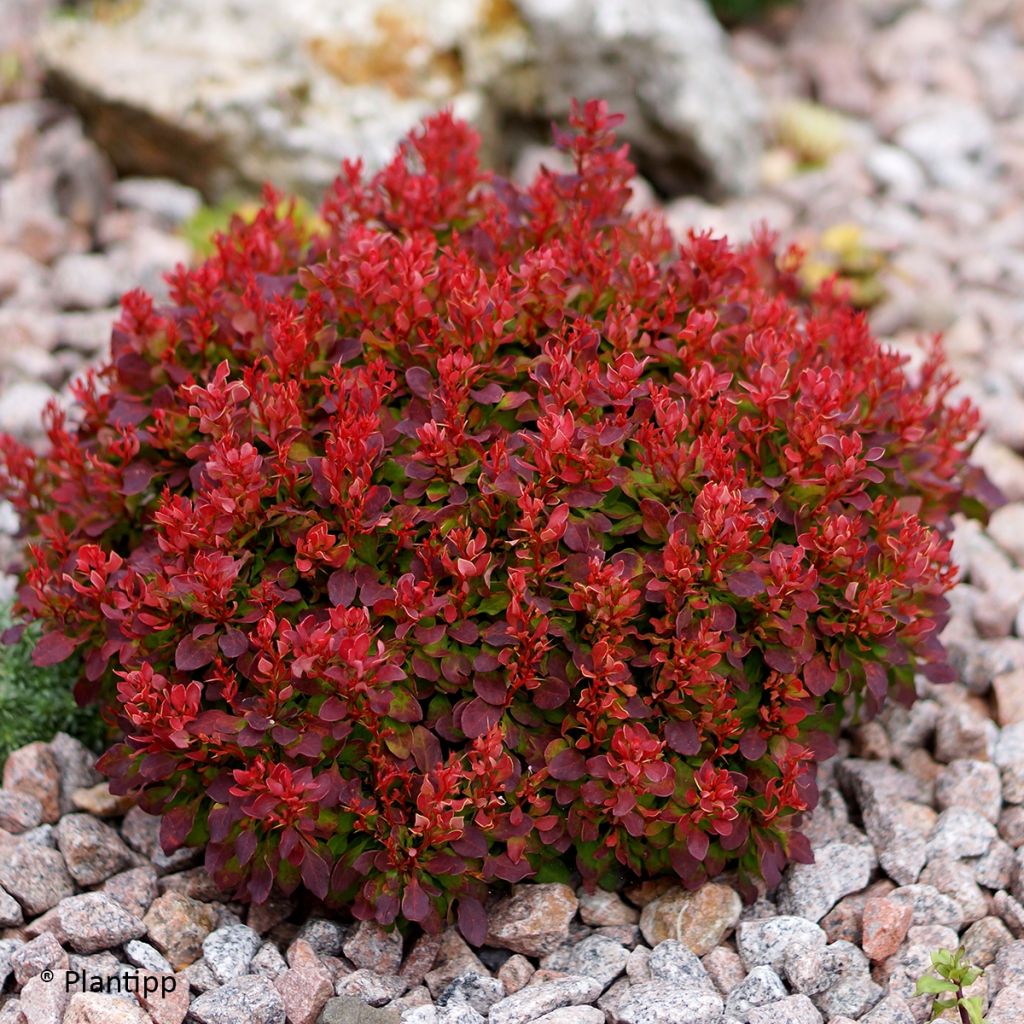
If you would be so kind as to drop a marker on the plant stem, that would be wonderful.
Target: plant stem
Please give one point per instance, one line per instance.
(964, 1018)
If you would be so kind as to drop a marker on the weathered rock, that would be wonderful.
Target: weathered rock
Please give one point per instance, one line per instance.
(135, 889)
(420, 959)
(304, 993)
(663, 1002)
(99, 1008)
(453, 958)
(533, 921)
(573, 1015)
(535, 1000)
(43, 1002)
(474, 990)
(974, 785)
(99, 801)
(837, 978)
(764, 943)
(725, 969)
(93, 921)
(956, 879)
(761, 986)
(796, 1009)
(928, 905)
(372, 987)
(43, 953)
(269, 962)
(700, 919)
(374, 947)
(1007, 1007)
(228, 951)
(10, 911)
(812, 890)
(606, 908)
(92, 850)
(251, 999)
(960, 832)
(596, 956)
(515, 973)
(350, 1010)
(32, 769)
(35, 876)
(177, 926)
(983, 940)
(19, 811)
(884, 926)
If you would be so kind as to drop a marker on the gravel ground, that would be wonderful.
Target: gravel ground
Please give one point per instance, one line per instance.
(920, 834)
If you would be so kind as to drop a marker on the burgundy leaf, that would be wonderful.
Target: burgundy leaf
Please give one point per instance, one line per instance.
(472, 921)
(52, 649)
(191, 654)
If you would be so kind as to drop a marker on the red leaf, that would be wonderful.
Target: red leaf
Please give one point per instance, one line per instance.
(52, 649)
(137, 477)
(420, 382)
(682, 737)
(568, 766)
(316, 873)
(175, 827)
(233, 643)
(477, 717)
(415, 902)
(341, 588)
(818, 677)
(191, 654)
(472, 921)
(745, 583)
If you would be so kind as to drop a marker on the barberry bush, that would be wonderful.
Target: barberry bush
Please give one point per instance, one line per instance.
(474, 533)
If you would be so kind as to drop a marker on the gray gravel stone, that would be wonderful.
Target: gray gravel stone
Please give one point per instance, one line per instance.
(672, 961)
(891, 1010)
(229, 951)
(251, 999)
(8, 947)
(761, 986)
(796, 1009)
(19, 811)
(268, 961)
(995, 869)
(92, 850)
(597, 957)
(665, 1002)
(972, 784)
(43, 953)
(812, 890)
(373, 988)
(929, 906)
(765, 942)
(35, 876)
(10, 910)
(143, 955)
(960, 832)
(93, 921)
(537, 999)
(479, 992)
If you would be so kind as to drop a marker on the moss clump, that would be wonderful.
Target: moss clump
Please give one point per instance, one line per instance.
(36, 703)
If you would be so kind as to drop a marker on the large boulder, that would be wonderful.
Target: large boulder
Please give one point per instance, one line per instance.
(225, 94)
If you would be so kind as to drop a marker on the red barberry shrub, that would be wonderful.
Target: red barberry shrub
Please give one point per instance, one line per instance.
(481, 533)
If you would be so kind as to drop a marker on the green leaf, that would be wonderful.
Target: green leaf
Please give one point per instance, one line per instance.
(930, 985)
(973, 1005)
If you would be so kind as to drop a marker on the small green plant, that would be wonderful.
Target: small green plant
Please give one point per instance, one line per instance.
(952, 974)
(36, 703)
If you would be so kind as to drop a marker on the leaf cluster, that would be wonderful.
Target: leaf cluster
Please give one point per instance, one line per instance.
(468, 533)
